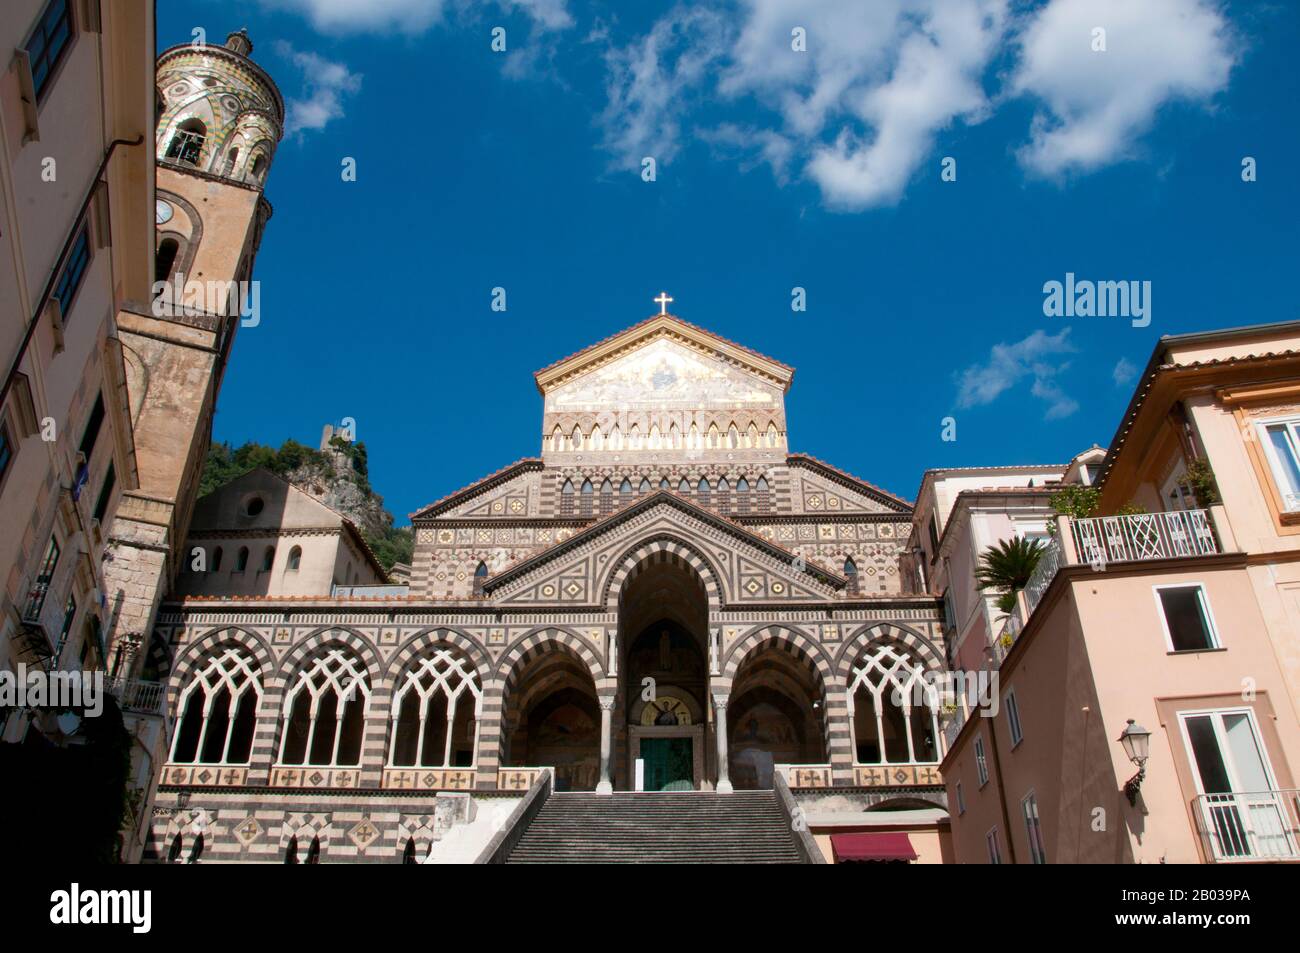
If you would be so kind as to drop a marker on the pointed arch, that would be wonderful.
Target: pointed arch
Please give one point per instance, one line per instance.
(658, 548)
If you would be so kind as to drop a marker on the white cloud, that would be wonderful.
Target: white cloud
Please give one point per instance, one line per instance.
(411, 16)
(1124, 372)
(859, 109)
(1095, 104)
(325, 84)
(1008, 364)
(649, 82)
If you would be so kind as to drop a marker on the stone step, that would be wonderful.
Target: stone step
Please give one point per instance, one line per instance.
(677, 827)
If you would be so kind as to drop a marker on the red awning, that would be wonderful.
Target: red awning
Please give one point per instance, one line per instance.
(883, 846)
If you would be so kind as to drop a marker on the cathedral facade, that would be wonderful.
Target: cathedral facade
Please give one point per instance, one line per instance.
(666, 598)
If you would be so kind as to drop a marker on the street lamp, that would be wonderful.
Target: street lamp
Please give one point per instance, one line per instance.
(1137, 745)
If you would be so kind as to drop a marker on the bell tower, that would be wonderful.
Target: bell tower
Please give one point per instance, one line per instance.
(220, 119)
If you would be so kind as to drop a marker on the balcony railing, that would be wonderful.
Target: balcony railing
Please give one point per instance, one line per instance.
(1048, 563)
(138, 696)
(1171, 535)
(1257, 826)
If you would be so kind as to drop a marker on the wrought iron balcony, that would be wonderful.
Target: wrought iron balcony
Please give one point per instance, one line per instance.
(1253, 826)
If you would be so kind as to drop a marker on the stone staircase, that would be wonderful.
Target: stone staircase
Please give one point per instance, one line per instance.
(689, 827)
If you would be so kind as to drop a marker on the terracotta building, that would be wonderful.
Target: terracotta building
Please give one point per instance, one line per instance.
(1148, 702)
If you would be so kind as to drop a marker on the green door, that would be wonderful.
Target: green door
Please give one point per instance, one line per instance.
(669, 764)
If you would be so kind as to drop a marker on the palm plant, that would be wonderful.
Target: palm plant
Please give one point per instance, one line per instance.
(1006, 566)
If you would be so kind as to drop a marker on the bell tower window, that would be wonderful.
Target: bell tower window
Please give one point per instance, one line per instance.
(187, 144)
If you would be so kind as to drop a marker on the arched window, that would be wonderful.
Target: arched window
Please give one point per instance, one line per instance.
(174, 852)
(851, 574)
(313, 852)
(325, 711)
(241, 561)
(764, 498)
(625, 492)
(187, 144)
(480, 577)
(724, 495)
(291, 851)
(258, 170)
(664, 484)
(684, 488)
(575, 441)
(742, 495)
(196, 851)
(436, 712)
(219, 710)
(231, 158)
(566, 498)
(584, 508)
(268, 558)
(733, 437)
(216, 559)
(644, 488)
(606, 497)
(408, 853)
(295, 559)
(557, 438)
(164, 262)
(703, 489)
(894, 710)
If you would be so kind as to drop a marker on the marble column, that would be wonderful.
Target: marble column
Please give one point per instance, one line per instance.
(720, 732)
(604, 786)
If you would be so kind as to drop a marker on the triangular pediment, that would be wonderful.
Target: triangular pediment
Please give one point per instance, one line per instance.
(680, 356)
(747, 568)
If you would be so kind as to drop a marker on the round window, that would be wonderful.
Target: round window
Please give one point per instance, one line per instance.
(254, 506)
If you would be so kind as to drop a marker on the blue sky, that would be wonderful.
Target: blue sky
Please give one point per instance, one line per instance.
(776, 168)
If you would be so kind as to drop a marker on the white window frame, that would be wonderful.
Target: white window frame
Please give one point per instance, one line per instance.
(1225, 751)
(886, 668)
(1246, 710)
(1292, 424)
(961, 799)
(991, 842)
(1215, 641)
(1014, 727)
(427, 680)
(235, 668)
(981, 762)
(1033, 827)
(347, 682)
(1032, 530)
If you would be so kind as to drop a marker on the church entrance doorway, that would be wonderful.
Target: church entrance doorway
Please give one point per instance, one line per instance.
(663, 626)
(669, 764)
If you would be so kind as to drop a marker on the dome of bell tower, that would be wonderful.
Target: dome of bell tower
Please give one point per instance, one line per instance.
(221, 113)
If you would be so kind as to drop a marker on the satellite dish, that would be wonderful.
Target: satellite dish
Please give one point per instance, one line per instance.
(69, 722)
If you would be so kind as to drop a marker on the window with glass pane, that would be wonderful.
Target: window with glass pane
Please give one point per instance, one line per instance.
(49, 42)
(1242, 812)
(1282, 446)
(41, 587)
(6, 449)
(1033, 828)
(73, 272)
(1186, 618)
(1013, 718)
(981, 764)
(995, 852)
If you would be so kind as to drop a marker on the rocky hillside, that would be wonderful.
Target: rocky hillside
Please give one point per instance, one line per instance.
(337, 477)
